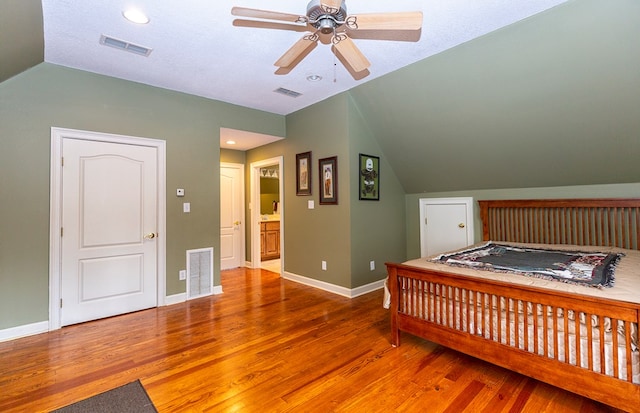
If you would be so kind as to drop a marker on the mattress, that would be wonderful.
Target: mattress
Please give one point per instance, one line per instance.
(627, 274)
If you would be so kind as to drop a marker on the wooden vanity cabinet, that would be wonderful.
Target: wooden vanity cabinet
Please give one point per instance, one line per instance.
(269, 240)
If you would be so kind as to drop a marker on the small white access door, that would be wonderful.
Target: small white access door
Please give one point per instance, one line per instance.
(109, 229)
(445, 224)
(231, 216)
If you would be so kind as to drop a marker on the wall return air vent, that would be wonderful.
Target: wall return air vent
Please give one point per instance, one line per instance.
(126, 46)
(199, 272)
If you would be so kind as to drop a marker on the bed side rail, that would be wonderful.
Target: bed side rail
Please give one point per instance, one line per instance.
(579, 332)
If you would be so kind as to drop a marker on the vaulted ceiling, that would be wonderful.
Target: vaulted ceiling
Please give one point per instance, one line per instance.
(201, 49)
(478, 102)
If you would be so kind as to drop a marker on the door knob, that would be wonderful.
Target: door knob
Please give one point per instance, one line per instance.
(237, 223)
(151, 235)
(461, 225)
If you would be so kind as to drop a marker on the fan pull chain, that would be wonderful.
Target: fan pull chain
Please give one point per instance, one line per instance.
(335, 70)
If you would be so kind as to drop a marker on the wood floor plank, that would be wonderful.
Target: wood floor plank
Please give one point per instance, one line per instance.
(265, 345)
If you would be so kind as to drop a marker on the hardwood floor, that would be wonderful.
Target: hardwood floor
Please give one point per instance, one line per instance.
(265, 344)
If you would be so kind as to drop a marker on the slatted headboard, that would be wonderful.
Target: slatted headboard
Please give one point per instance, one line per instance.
(604, 222)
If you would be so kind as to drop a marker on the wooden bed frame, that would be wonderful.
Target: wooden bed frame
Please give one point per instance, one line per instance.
(602, 222)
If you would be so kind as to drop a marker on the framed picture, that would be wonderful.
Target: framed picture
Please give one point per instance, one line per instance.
(303, 173)
(328, 180)
(369, 178)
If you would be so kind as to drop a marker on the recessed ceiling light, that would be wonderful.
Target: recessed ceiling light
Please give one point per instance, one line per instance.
(135, 16)
(314, 78)
(231, 142)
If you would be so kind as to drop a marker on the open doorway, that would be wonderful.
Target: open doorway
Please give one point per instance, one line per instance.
(267, 214)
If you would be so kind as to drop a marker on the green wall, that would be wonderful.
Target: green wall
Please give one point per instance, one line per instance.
(232, 156)
(48, 95)
(631, 190)
(550, 104)
(553, 100)
(269, 192)
(348, 235)
(314, 235)
(377, 227)
(22, 35)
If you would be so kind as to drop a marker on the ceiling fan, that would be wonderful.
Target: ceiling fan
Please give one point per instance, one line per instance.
(327, 21)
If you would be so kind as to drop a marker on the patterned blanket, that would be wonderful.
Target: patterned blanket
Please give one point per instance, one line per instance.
(592, 269)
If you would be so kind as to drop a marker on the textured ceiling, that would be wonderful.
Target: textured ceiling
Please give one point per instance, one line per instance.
(196, 49)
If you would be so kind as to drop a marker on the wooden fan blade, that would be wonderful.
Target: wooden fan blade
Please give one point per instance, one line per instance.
(386, 21)
(393, 35)
(331, 5)
(351, 54)
(257, 24)
(268, 15)
(298, 51)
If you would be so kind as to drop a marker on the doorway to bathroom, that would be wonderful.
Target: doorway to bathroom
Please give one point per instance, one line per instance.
(267, 212)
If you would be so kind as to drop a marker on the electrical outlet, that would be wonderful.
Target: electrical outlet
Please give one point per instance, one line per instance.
(324, 266)
(372, 265)
(183, 275)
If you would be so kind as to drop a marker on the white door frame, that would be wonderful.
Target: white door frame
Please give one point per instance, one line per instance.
(240, 167)
(55, 211)
(255, 208)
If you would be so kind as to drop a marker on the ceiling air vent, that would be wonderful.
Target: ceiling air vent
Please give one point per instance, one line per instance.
(287, 92)
(122, 45)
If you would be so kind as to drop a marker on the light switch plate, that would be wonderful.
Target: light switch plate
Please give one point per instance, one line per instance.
(310, 204)
(186, 207)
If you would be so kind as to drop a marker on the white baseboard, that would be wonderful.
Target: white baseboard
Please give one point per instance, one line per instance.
(332, 288)
(43, 326)
(365, 289)
(24, 330)
(175, 299)
(182, 297)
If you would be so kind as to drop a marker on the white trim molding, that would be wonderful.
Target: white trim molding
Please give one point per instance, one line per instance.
(55, 200)
(24, 331)
(335, 289)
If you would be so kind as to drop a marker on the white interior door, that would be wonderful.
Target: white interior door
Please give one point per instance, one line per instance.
(109, 237)
(446, 224)
(231, 216)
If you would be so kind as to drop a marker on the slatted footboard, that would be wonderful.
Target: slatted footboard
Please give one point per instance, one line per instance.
(587, 345)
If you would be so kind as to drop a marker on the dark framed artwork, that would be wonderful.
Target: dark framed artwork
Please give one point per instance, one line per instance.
(328, 168)
(303, 173)
(369, 178)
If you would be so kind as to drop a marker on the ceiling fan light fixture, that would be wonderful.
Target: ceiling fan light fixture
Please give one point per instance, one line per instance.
(314, 78)
(328, 19)
(326, 25)
(315, 11)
